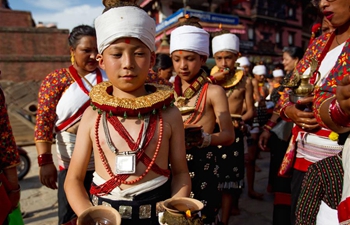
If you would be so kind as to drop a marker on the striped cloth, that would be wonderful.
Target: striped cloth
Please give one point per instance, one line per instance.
(322, 182)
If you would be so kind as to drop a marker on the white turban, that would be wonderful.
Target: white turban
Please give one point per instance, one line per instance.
(278, 73)
(190, 38)
(243, 61)
(225, 42)
(259, 70)
(124, 21)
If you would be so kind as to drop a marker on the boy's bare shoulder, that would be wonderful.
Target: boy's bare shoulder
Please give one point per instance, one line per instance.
(171, 112)
(214, 90)
(90, 114)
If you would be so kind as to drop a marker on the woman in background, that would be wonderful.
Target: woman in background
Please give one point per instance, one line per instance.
(9, 159)
(271, 139)
(63, 97)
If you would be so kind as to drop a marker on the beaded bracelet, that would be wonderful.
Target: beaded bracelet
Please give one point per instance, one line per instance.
(45, 159)
(269, 125)
(337, 115)
(206, 140)
(282, 112)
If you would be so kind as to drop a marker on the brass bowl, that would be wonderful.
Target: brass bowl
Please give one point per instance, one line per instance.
(193, 133)
(179, 205)
(99, 215)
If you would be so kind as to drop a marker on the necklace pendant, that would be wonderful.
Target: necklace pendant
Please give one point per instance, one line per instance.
(125, 116)
(125, 164)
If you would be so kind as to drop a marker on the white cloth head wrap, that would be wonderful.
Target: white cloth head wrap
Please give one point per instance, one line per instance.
(190, 38)
(259, 70)
(124, 21)
(243, 61)
(278, 73)
(225, 42)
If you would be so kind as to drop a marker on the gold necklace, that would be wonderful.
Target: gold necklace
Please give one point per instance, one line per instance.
(102, 99)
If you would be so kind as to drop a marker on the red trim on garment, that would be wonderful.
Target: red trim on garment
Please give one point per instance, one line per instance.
(344, 210)
(302, 164)
(81, 110)
(282, 198)
(73, 118)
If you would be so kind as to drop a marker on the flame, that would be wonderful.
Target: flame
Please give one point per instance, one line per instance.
(187, 16)
(220, 26)
(188, 213)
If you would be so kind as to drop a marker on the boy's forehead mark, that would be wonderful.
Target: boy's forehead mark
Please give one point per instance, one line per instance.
(127, 40)
(180, 52)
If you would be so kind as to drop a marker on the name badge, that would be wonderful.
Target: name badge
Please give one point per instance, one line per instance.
(125, 164)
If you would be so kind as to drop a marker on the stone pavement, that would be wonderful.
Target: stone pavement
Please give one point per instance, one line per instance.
(40, 203)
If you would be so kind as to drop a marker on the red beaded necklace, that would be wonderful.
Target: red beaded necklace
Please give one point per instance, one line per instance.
(118, 126)
(117, 180)
(195, 116)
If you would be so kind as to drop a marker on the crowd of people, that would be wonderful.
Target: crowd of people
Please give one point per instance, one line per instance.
(133, 128)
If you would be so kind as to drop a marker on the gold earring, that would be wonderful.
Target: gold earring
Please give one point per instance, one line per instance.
(72, 58)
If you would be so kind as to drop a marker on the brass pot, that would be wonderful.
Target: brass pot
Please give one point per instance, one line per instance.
(99, 215)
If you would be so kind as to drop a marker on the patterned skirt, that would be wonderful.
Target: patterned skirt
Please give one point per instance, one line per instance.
(230, 160)
(204, 176)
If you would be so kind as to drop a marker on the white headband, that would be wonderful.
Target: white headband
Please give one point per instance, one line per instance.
(190, 38)
(259, 70)
(243, 61)
(125, 21)
(225, 42)
(278, 73)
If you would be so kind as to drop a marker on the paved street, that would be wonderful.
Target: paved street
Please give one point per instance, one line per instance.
(40, 203)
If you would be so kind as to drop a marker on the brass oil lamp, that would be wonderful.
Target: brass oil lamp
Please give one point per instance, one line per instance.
(300, 85)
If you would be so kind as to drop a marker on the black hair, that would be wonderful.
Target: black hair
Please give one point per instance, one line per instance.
(294, 52)
(79, 32)
(163, 61)
(109, 4)
(191, 21)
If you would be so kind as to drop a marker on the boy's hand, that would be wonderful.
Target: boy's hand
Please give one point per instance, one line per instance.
(221, 74)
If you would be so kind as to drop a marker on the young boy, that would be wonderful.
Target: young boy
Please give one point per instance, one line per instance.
(239, 90)
(203, 105)
(131, 127)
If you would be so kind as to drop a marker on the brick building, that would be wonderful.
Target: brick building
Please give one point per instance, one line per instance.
(27, 51)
